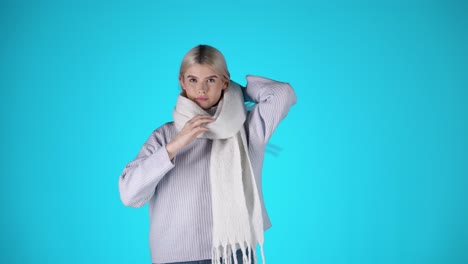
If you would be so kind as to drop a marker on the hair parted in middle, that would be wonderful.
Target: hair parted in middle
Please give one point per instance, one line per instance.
(206, 55)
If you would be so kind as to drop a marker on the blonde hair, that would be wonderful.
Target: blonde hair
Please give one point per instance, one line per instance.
(207, 55)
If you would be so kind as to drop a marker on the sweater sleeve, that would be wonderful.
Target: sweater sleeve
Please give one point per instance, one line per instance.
(140, 177)
(273, 100)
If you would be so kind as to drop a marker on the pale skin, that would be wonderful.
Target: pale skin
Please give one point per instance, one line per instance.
(203, 86)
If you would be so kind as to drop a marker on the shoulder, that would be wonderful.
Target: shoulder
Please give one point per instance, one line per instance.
(166, 127)
(164, 133)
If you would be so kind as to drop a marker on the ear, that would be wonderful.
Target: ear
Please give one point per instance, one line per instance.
(181, 82)
(225, 86)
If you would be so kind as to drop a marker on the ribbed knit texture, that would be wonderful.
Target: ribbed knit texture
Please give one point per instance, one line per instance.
(179, 192)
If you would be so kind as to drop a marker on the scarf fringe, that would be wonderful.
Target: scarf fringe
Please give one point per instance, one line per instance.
(227, 254)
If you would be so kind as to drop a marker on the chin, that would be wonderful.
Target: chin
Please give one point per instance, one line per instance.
(204, 106)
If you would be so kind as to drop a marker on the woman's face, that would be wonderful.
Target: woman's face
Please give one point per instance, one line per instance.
(202, 85)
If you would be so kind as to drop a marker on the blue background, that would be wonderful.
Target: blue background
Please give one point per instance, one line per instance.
(370, 166)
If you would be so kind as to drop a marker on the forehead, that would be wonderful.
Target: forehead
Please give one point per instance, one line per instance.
(200, 71)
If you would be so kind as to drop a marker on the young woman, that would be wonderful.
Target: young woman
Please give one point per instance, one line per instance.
(201, 173)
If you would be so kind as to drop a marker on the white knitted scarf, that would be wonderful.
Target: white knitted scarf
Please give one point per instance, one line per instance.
(237, 213)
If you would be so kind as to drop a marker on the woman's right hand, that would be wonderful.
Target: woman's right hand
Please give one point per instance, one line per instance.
(189, 132)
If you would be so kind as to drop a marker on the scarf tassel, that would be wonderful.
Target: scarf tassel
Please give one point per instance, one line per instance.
(226, 254)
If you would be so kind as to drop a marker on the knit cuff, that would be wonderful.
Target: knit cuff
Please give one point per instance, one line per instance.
(160, 162)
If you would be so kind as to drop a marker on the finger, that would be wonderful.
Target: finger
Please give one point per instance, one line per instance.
(199, 130)
(200, 126)
(202, 121)
(195, 132)
(201, 117)
(194, 119)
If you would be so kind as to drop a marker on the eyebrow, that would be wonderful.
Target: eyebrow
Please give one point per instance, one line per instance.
(212, 76)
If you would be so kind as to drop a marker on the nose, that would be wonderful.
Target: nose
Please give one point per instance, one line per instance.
(203, 88)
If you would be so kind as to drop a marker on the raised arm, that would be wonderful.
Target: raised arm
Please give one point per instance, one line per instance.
(273, 100)
(139, 178)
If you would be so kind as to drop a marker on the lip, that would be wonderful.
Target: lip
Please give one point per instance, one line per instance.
(201, 99)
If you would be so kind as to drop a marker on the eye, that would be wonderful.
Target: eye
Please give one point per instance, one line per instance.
(192, 80)
(212, 80)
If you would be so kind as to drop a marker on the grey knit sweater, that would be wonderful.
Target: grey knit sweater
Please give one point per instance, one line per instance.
(178, 191)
